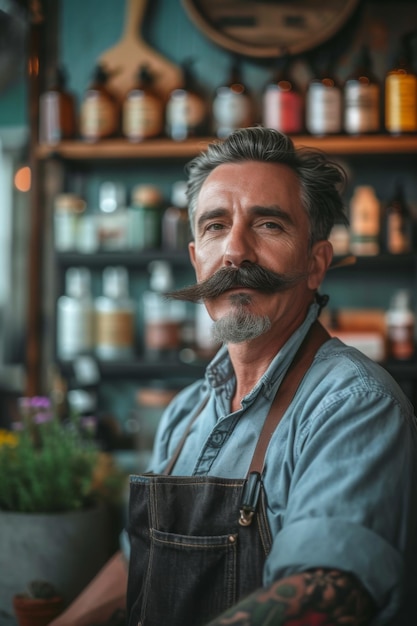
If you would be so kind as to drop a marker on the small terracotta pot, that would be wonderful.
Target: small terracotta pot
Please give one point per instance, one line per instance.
(37, 611)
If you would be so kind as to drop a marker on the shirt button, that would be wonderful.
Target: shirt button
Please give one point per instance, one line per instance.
(217, 439)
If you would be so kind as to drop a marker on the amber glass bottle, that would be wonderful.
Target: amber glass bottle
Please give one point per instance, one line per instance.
(187, 109)
(362, 98)
(100, 109)
(401, 93)
(324, 104)
(143, 109)
(233, 105)
(57, 110)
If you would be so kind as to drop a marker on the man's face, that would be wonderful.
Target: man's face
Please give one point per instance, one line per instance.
(252, 212)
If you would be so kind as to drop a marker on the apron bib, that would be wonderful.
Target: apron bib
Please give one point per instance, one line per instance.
(199, 543)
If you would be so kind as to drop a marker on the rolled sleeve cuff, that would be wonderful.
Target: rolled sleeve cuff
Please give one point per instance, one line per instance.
(337, 544)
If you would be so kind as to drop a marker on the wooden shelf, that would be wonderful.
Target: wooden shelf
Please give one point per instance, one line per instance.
(168, 149)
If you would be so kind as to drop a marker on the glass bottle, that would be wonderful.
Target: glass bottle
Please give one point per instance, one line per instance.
(233, 106)
(398, 224)
(401, 92)
(364, 221)
(145, 215)
(163, 317)
(175, 224)
(113, 218)
(115, 316)
(361, 98)
(57, 110)
(143, 109)
(282, 102)
(400, 320)
(75, 311)
(324, 105)
(100, 110)
(186, 111)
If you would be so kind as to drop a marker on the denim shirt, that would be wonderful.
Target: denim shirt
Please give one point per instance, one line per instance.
(341, 468)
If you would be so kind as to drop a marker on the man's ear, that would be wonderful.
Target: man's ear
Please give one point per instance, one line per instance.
(320, 258)
(191, 251)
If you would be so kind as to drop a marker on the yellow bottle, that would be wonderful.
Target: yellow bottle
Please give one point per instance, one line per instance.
(401, 94)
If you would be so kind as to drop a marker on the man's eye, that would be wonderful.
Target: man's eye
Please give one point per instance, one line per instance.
(215, 226)
(272, 225)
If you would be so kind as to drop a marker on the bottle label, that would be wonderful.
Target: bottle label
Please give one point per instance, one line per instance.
(401, 103)
(185, 112)
(230, 111)
(361, 113)
(115, 329)
(98, 118)
(142, 116)
(49, 118)
(324, 109)
(283, 110)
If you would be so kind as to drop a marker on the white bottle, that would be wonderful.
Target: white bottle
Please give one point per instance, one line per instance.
(75, 311)
(163, 317)
(113, 218)
(115, 316)
(400, 320)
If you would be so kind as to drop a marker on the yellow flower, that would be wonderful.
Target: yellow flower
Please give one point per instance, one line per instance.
(8, 438)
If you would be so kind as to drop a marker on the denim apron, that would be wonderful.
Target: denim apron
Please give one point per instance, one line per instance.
(199, 543)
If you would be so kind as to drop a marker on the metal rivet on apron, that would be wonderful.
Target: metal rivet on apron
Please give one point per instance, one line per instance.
(232, 538)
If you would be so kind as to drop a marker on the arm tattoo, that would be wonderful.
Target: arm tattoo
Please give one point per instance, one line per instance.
(314, 598)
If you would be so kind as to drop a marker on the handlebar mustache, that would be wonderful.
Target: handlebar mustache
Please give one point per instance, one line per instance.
(249, 275)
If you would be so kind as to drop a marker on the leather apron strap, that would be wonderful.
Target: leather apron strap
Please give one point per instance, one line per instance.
(304, 357)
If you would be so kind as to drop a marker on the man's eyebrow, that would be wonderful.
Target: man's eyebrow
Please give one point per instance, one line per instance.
(271, 211)
(210, 214)
(256, 210)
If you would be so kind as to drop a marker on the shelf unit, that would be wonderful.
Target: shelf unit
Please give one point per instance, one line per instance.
(54, 161)
(113, 149)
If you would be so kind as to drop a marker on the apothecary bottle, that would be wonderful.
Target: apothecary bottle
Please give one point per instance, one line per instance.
(233, 105)
(365, 212)
(400, 321)
(145, 216)
(75, 315)
(175, 223)
(115, 316)
(324, 105)
(282, 102)
(398, 224)
(143, 109)
(100, 109)
(362, 98)
(163, 317)
(68, 209)
(401, 93)
(187, 108)
(57, 110)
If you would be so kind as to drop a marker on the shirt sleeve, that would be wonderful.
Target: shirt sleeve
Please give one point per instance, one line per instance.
(351, 504)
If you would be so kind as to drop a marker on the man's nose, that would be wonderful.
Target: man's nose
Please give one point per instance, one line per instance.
(239, 247)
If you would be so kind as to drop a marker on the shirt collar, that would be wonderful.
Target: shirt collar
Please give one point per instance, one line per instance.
(220, 373)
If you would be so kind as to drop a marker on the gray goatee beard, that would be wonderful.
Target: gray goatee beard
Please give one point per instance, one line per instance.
(240, 325)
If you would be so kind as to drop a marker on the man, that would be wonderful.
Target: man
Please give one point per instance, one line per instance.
(312, 519)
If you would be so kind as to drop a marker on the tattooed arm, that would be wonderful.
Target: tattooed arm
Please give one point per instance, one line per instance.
(314, 598)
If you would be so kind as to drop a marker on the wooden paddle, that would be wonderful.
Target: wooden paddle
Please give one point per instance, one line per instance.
(123, 60)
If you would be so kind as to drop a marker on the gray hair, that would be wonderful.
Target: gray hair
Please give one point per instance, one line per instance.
(321, 180)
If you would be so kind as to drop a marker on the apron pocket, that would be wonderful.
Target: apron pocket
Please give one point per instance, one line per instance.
(174, 586)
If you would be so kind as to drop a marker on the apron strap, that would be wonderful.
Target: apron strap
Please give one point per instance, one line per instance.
(304, 357)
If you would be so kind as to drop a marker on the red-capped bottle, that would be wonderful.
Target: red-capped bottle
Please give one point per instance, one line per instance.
(282, 102)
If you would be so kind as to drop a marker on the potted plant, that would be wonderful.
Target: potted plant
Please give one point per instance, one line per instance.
(39, 605)
(55, 490)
